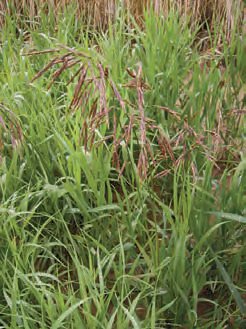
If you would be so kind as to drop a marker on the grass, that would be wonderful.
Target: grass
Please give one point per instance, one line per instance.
(100, 12)
(122, 175)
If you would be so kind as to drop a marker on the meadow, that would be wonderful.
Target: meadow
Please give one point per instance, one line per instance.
(122, 165)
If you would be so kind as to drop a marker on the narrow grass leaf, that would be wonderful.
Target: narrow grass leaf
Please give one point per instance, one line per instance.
(240, 303)
(58, 323)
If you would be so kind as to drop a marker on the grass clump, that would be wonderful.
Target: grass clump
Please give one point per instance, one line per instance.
(122, 176)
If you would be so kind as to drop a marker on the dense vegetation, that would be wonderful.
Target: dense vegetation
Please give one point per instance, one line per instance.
(122, 172)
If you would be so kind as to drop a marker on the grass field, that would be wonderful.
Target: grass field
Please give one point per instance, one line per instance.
(122, 173)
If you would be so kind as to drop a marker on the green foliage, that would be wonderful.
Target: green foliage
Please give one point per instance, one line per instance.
(83, 245)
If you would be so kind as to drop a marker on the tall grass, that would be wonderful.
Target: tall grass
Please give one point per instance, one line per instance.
(100, 12)
(122, 187)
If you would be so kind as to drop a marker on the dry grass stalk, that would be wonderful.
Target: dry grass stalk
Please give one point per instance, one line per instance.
(100, 12)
